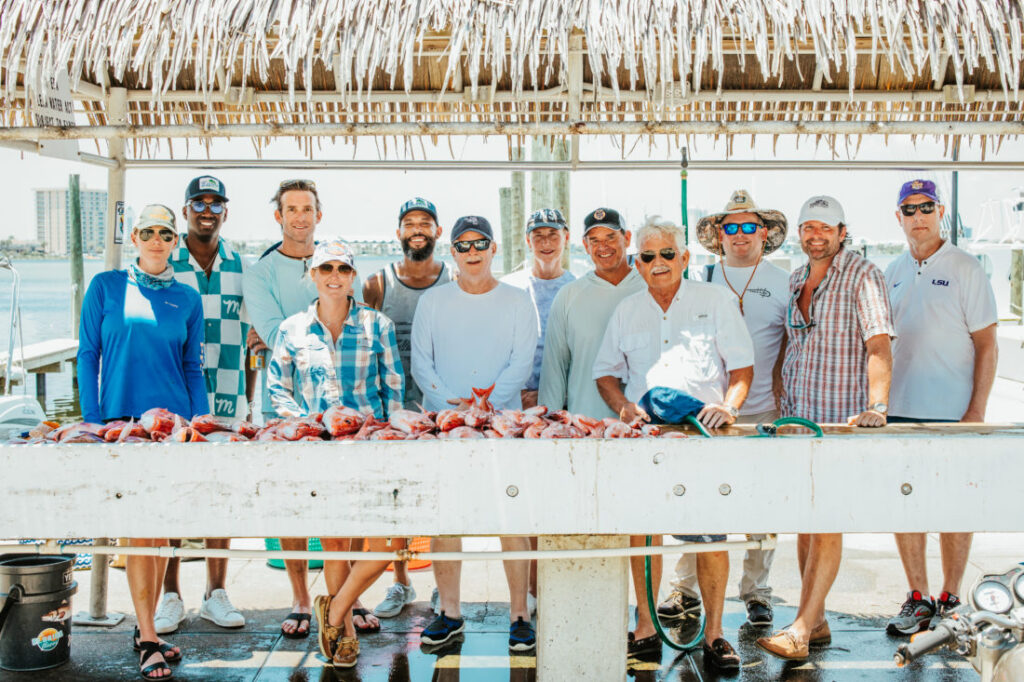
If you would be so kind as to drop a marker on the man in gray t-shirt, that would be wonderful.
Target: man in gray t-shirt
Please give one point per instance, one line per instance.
(547, 236)
(395, 291)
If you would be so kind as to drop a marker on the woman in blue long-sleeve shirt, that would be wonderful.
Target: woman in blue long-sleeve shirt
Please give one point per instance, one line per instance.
(141, 346)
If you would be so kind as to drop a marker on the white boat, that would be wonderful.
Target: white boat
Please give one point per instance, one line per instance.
(17, 412)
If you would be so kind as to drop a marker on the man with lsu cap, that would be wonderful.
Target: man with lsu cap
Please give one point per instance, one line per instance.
(547, 237)
(945, 314)
(208, 264)
(475, 332)
(837, 368)
(579, 315)
(395, 291)
(743, 235)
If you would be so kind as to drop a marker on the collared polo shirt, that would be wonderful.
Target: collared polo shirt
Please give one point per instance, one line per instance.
(825, 372)
(310, 371)
(691, 347)
(937, 304)
(225, 324)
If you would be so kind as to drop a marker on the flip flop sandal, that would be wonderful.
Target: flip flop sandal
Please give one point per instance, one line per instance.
(166, 648)
(327, 634)
(366, 628)
(151, 660)
(300, 618)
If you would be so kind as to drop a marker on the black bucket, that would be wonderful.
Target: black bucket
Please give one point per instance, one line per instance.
(35, 611)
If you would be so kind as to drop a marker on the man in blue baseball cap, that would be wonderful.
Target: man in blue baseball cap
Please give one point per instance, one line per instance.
(945, 315)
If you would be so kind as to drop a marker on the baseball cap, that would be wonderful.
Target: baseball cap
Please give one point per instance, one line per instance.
(155, 215)
(669, 405)
(923, 187)
(472, 223)
(823, 208)
(205, 184)
(332, 249)
(417, 204)
(603, 217)
(546, 217)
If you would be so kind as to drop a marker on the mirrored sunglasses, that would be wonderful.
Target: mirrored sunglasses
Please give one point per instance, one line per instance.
(910, 209)
(146, 233)
(648, 256)
(747, 228)
(216, 207)
(478, 244)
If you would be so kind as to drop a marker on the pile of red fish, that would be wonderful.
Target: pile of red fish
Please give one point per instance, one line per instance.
(471, 418)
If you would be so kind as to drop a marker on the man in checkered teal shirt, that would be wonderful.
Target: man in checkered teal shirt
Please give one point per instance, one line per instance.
(209, 265)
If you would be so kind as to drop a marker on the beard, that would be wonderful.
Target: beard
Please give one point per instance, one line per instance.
(420, 254)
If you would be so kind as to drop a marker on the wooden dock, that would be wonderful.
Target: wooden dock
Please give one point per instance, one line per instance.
(45, 357)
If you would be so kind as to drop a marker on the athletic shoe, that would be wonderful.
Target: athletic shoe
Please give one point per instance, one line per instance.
(759, 614)
(169, 614)
(677, 606)
(218, 609)
(441, 629)
(398, 595)
(947, 602)
(521, 636)
(435, 601)
(914, 616)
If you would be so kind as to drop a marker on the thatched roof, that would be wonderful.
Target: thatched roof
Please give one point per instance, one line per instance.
(441, 64)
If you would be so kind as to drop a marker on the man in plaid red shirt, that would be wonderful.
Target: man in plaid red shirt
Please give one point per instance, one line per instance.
(837, 368)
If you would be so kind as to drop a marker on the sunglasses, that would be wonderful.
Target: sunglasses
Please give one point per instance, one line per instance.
(648, 256)
(747, 228)
(298, 183)
(910, 209)
(146, 233)
(216, 207)
(478, 244)
(327, 268)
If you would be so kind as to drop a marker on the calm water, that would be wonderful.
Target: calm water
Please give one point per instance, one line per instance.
(46, 307)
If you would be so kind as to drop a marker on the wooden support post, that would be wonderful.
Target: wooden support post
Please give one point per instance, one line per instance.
(560, 192)
(505, 200)
(540, 181)
(75, 248)
(117, 114)
(1017, 284)
(518, 213)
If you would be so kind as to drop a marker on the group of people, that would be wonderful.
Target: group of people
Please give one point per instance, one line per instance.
(835, 341)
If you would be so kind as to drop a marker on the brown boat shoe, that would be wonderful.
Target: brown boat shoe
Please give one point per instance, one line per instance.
(327, 634)
(346, 653)
(821, 635)
(785, 645)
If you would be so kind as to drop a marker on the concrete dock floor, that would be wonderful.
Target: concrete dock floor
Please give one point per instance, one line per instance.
(868, 590)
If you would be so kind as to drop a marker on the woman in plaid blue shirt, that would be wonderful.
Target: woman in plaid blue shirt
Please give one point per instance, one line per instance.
(338, 352)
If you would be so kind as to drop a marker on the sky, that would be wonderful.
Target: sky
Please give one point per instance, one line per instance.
(364, 204)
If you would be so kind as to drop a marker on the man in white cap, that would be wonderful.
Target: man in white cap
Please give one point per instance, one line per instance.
(837, 368)
(945, 314)
(579, 315)
(743, 235)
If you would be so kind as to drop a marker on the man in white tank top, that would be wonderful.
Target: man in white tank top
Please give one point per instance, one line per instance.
(743, 235)
(394, 291)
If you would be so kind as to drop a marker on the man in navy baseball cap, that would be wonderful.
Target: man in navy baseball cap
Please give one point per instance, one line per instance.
(203, 185)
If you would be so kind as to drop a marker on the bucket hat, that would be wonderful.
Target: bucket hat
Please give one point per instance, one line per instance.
(742, 202)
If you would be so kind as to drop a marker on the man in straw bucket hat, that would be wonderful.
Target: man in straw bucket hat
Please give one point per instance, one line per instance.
(743, 234)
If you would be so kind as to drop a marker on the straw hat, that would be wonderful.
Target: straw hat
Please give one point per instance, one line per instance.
(741, 202)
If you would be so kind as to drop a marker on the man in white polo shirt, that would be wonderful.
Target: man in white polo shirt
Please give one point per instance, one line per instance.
(743, 235)
(943, 367)
(474, 333)
(688, 336)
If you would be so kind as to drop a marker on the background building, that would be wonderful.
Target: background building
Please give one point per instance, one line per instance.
(53, 216)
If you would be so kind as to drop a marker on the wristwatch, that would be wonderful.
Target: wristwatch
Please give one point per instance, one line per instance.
(731, 410)
(880, 408)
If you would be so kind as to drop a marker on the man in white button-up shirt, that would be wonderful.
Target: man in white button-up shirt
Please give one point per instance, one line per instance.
(688, 336)
(943, 367)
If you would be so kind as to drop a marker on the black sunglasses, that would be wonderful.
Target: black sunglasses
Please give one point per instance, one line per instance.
(146, 233)
(327, 268)
(748, 228)
(911, 209)
(648, 256)
(216, 207)
(478, 244)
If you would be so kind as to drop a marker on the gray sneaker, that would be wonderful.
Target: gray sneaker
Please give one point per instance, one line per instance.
(397, 596)
(914, 616)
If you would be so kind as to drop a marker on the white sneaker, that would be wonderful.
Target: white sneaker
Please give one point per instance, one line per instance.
(169, 614)
(218, 609)
(398, 595)
(531, 604)
(435, 601)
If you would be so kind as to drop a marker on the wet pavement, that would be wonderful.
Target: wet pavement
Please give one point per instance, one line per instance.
(868, 590)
